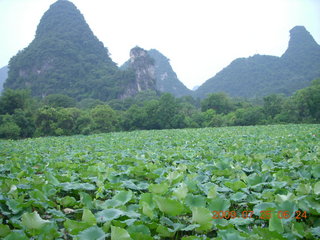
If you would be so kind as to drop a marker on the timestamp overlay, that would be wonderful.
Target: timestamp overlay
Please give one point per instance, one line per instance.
(264, 215)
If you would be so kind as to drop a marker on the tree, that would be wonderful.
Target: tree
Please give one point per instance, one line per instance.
(89, 103)
(249, 116)
(83, 124)
(220, 102)
(289, 113)
(134, 118)
(59, 100)
(66, 122)
(212, 119)
(104, 119)
(151, 108)
(272, 105)
(8, 128)
(25, 121)
(167, 110)
(14, 99)
(46, 121)
(308, 102)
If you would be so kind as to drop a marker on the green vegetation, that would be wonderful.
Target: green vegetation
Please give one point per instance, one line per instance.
(22, 116)
(66, 58)
(189, 182)
(166, 184)
(262, 75)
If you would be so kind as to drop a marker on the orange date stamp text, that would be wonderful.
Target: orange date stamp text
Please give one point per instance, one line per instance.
(265, 215)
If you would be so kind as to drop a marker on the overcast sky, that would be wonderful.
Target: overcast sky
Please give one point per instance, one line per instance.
(200, 37)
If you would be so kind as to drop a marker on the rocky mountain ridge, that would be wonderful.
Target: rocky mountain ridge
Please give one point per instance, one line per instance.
(261, 75)
(65, 57)
(142, 65)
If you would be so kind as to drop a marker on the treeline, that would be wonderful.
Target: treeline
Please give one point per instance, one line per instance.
(22, 116)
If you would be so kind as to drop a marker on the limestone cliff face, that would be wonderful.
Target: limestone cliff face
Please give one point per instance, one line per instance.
(154, 66)
(143, 67)
(167, 80)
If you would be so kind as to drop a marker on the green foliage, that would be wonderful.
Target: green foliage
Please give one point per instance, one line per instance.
(167, 111)
(273, 104)
(66, 58)
(212, 119)
(46, 121)
(308, 101)
(162, 113)
(18, 120)
(8, 128)
(139, 99)
(148, 110)
(25, 121)
(220, 102)
(104, 119)
(67, 120)
(55, 122)
(83, 124)
(134, 118)
(88, 103)
(59, 100)
(11, 100)
(249, 116)
(162, 184)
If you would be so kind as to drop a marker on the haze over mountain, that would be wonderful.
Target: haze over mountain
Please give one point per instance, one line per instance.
(3, 76)
(195, 88)
(261, 75)
(166, 78)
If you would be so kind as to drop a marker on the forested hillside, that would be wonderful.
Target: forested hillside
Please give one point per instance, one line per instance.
(66, 58)
(261, 75)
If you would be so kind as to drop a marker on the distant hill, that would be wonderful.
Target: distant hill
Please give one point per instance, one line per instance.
(261, 75)
(3, 76)
(67, 58)
(166, 78)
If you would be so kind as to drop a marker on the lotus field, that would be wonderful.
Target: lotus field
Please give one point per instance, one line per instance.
(232, 183)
